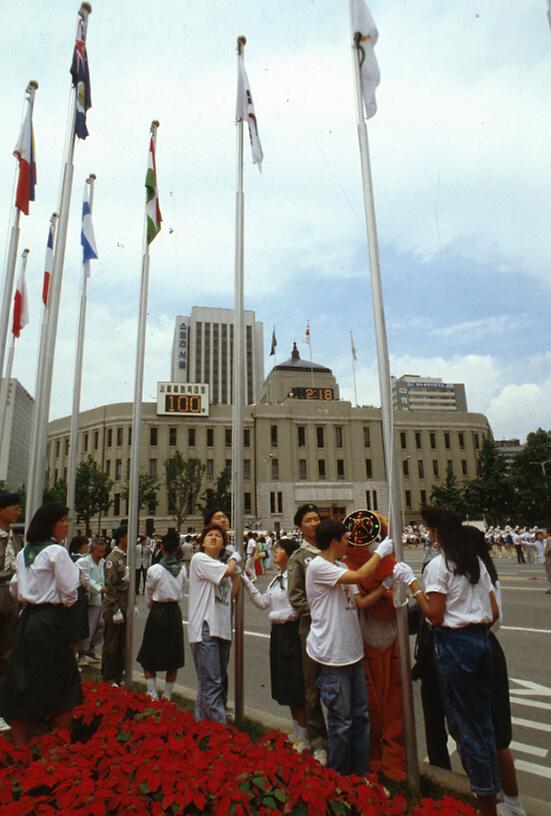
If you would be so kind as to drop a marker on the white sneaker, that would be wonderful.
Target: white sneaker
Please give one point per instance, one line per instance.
(83, 661)
(503, 809)
(320, 755)
(299, 746)
(4, 726)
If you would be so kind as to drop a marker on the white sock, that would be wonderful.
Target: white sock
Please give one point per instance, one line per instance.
(302, 733)
(515, 804)
(151, 687)
(296, 727)
(168, 691)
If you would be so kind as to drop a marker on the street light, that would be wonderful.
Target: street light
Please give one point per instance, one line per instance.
(543, 464)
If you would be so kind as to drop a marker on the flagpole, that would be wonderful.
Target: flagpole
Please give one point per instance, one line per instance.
(11, 260)
(77, 385)
(134, 478)
(353, 368)
(238, 404)
(39, 431)
(412, 760)
(5, 391)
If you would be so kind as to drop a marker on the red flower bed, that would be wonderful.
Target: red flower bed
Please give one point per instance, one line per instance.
(129, 755)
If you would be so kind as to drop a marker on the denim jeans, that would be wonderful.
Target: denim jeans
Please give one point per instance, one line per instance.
(343, 690)
(210, 656)
(463, 661)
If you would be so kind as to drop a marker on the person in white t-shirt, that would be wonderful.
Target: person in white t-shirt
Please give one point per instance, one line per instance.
(212, 585)
(335, 643)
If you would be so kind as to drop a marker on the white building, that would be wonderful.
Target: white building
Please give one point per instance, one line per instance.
(411, 392)
(14, 456)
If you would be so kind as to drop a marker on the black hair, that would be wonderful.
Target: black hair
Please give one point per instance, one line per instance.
(76, 544)
(207, 529)
(478, 542)
(453, 541)
(44, 520)
(171, 541)
(289, 545)
(211, 512)
(328, 531)
(301, 512)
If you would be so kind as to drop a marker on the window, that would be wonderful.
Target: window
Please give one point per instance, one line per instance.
(172, 436)
(128, 470)
(191, 437)
(55, 475)
(246, 438)
(418, 440)
(119, 437)
(227, 436)
(423, 498)
(210, 468)
(96, 440)
(273, 436)
(367, 437)
(320, 436)
(408, 499)
(420, 468)
(302, 469)
(57, 447)
(153, 467)
(321, 469)
(368, 469)
(461, 436)
(118, 469)
(435, 468)
(108, 467)
(117, 504)
(403, 440)
(464, 470)
(246, 468)
(449, 467)
(340, 468)
(66, 446)
(338, 436)
(153, 436)
(446, 440)
(374, 499)
(301, 433)
(405, 467)
(152, 504)
(476, 441)
(247, 502)
(275, 468)
(210, 437)
(276, 502)
(130, 435)
(85, 442)
(109, 437)
(432, 436)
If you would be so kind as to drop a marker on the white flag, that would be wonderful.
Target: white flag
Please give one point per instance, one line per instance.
(549, 12)
(245, 111)
(307, 333)
(362, 23)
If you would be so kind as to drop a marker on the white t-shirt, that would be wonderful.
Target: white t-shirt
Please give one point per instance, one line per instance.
(465, 603)
(163, 587)
(52, 578)
(209, 598)
(334, 638)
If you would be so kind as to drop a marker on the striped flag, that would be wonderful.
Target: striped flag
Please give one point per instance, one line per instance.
(274, 343)
(152, 209)
(80, 73)
(24, 151)
(87, 237)
(245, 111)
(363, 25)
(48, 265)
(20, 303)
(307, 333)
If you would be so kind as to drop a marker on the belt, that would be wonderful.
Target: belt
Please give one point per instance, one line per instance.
(472, 626)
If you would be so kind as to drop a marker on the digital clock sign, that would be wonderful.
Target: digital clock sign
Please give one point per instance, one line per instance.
(185, 399)
(313, 393)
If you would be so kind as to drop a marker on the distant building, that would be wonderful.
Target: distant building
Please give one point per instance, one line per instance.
(509, 449)
(414, 393)
(202, 352)
(14, 456)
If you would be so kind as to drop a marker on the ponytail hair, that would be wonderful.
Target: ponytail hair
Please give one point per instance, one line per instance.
(453, 542)
(476, 539)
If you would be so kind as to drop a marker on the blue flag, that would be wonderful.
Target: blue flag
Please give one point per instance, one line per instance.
(87, 237)
(81, 82)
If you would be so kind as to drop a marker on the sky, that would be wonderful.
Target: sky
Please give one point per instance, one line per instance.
(461, 164)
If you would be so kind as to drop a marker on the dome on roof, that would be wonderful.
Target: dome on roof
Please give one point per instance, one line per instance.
(294, 363)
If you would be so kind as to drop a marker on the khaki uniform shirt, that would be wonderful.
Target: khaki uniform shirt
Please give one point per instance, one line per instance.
(296, 570)
(10, 545)
(116, 581)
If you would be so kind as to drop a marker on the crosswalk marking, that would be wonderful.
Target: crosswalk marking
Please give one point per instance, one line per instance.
(531, 703)
(533, 768)
(524, 629)
(528, 749)
(538, 726)
(530, 688)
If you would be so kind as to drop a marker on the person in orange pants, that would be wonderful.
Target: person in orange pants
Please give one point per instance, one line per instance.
(379, 631)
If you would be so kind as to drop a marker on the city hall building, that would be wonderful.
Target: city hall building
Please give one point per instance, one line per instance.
(302, 443)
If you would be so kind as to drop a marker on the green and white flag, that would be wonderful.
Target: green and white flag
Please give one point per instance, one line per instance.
(362, 24)
(152, 208)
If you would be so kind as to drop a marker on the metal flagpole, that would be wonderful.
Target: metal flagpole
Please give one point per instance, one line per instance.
(412, 760)
(11, 260)
(238, 405)
(353, 351)
(37, 457)
(73, 437)
(134, 478)
(5, 390)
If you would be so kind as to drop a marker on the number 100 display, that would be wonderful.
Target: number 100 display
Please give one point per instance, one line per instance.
(183, 404)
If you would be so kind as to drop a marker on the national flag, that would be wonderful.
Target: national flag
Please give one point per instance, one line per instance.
(80, 73)
(245, 111)
(549, 12)
(274, 343)
(354, 355)
(87, 237)
(25, 152)
(362, 24)
(307, 333)
(20, 303)
(48, 265)
(152, 208)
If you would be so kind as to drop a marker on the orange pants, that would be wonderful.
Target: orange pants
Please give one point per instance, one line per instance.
(382, 673)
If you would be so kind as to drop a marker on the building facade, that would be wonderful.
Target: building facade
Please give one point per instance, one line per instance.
(14, 456)
(202, 352)
(413, 393)
(301, 443)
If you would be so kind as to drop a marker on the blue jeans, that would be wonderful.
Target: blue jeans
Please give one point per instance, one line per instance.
(211, 657)
(343, 690)
(464, 664)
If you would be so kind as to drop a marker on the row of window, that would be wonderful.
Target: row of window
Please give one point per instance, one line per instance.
(435, 468)
(432, 439)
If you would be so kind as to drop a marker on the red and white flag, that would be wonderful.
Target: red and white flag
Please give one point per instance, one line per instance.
(20, 303)
(48, 265)
(25, 152)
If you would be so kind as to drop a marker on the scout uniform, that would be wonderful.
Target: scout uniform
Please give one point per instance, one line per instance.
(10, 544)
(115, 608)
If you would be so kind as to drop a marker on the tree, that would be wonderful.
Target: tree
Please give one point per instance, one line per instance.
(531, 479)
(448, 495)
(92, 490)
(147, 490)
(56, 493)
(183, 485)
(218, 497)
(490, 495)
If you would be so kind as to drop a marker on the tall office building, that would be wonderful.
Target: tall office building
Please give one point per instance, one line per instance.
(414, 393)
(202, 352)
(14, 456)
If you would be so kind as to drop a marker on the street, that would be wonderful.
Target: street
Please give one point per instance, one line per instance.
(526, 640)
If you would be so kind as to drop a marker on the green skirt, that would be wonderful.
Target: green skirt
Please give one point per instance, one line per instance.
(42, 678)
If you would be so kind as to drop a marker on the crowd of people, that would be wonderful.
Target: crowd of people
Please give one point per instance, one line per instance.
(331, 608)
